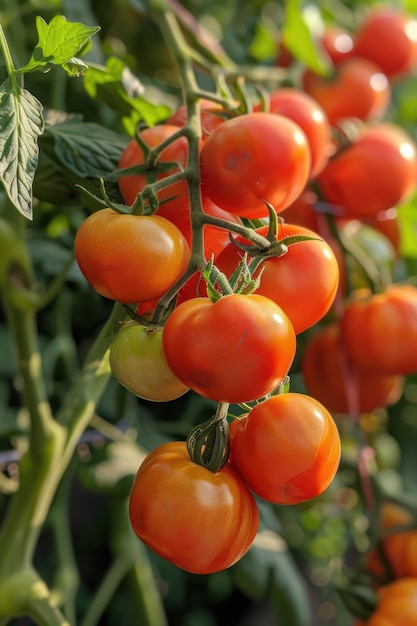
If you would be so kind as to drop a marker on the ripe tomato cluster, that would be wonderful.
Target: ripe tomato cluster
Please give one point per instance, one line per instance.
(220, 281)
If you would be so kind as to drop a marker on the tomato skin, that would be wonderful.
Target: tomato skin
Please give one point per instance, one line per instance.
(201, 521)
(177, 152)
(310, 117)
(373, 174)
(303, 282)
(130, 258)
(337, 43)
(380, 330)
(339, 386)
(137, 361)
(400, 545)
(398, 32)
(287, 448)
(397, 605)
(354, 75)
(237, 349)
(254, 158)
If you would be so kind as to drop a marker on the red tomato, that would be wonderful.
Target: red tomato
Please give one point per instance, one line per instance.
(137, 362)
(201, 521)
(237, 349)
(176, 152)
(337, 43)
(254, 158)
(287, 448)
(303, 282)
(397, 605)
(388, 37)
(212, 115)
(334, 382)
(310, 117)
(373, 174)
(130, 258)
(380, 330)
(353, 76)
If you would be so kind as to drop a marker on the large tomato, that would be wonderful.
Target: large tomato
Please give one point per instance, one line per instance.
(175, 152)
(373, 174)
(137, 361)
(380, 330)
(302, 109)
(303, 282)
(130, 258)
(397, 605)
(359, 76)
(255, 158)
(286, 448)
(201, 521)
(236, 349)
(388, 37)
(333, 381)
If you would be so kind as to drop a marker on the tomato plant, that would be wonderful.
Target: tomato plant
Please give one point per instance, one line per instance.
(137, 362)
(373, 174)
(130, 258)
(212, 115)
(255, 158)
(380, 330)
(201, 521)
(286, 448)
(354, 75)
(398, 30)
(236, 349)
(333, 381)
(303, 281)
(175, 153)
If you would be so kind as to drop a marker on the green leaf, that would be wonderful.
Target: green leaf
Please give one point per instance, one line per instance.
(21, 123)
(407, 219)
(59, 41)
(85, 148)
(298, 38)
(122, 91)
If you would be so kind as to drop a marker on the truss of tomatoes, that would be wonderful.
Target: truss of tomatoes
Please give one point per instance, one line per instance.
(234, 349)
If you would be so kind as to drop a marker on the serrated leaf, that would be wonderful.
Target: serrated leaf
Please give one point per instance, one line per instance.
(59, 41)
(21, 123)
(299, 41)
(85, 148)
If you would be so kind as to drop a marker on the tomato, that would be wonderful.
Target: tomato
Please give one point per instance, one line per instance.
(287, 448)
(353, 76)
(373, 174)
(398, 542)
(176, 152)
(236, 349)
(334, 382)
(212, 115)
(380, 330)
(303, 282)
(310, 117)
(137, 361)
(397, 605)
(254, 158)
(201, 521)
(337, 43)
(389, 38)
(130, 258)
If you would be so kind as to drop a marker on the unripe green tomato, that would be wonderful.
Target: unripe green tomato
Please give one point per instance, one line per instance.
(138, 363)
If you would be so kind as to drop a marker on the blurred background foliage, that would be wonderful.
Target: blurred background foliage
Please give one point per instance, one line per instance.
(288, 577)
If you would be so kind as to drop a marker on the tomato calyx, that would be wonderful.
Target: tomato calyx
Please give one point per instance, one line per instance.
(208, 444)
